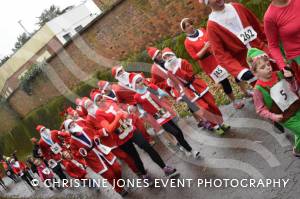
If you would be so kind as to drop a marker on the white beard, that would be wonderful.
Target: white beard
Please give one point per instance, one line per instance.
(172, 64)
(76, 129)
(92, 110)
(124, 78)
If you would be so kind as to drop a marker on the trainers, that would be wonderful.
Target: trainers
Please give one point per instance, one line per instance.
(180, 147)
(238, 105)
(219, 131)
(296, 152)
(196, 154)
(170, 172)
(225, 127)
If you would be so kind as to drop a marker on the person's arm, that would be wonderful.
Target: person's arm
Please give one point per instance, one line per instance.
(272, 33)
(196, 55)
(110, 127)
(262, 110)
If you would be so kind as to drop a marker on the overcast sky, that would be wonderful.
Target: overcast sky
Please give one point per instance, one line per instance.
(11, 11)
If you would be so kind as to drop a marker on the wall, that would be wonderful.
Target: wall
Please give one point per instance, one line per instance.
(127, 28)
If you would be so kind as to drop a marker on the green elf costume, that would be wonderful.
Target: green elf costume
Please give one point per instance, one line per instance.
(277, 96)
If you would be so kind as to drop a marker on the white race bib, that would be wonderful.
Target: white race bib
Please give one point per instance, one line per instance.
(282, 95)
(55, 148)
(247, 35)
(126, 131)
(46, 171)
(219, 74)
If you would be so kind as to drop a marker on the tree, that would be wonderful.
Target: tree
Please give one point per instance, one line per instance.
(3, 60)
(21, 40)
(48, 14)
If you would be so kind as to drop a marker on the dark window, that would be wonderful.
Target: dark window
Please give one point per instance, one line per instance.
(67, 37)
(78, 28)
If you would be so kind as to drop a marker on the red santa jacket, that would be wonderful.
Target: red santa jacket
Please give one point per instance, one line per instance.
(124, 95)
(193, 45)
(159, 77)
(18, 167)
(45, 147)
(229, 51)
(83, 145)
(73, 169)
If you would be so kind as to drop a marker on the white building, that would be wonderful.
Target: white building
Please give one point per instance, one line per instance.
(68, 24)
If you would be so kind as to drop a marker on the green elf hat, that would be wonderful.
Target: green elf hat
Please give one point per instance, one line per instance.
(253, 54)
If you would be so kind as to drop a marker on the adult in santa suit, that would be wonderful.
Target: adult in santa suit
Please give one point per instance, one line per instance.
(191, 86)
(120, 126)
(233, 29)
(108, 140)
(86, 143)
(47, 140)
(198, 47)
(149, 103)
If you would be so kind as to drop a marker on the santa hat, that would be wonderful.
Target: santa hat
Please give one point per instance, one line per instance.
(102, 85)
(203, 1)
(67, 123)
(133, 77)
(94, 95)
(39, 128)
(152, 52)
(181, 23)
(115, 70)
(253, 54)
(167, 51)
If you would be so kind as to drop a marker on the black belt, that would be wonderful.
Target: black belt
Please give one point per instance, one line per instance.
(207, 54)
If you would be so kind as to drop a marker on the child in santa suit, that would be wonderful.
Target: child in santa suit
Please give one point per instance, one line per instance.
(276, 95)
(120, 126)
(190, 86)
(44, 172)
(47, 143)
(148, 103)
(75, 169)
(20, 169)
(86, 143)
(198, 47)
(232, 30)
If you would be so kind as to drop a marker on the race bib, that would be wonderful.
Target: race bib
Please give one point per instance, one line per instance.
(55, 148)
(219, 74)
(46, 171)
(126, 127)
(52, 163)
(247, 35)
(282, 95)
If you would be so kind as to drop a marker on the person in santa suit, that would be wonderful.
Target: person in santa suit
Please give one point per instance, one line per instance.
(120, 126)
(20, 169)
(50, 151)
(158, 71)
(232, 29)
(109, 141)
(198, 47)
(74, 169)
(148, 102)
(86, 143)
(191, 86)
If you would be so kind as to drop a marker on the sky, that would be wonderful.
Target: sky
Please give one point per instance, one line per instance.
(11, 11)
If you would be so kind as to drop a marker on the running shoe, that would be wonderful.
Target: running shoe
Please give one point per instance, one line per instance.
(171, 172)
(238, 104)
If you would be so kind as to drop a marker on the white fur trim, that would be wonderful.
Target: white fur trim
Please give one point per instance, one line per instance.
(177, 67)
(96, 96)
(242, 72)
(67, 123)
(252, 80)
(118, 70)
(105, 86)
(155, 54)
(167, 53)
(196, 38)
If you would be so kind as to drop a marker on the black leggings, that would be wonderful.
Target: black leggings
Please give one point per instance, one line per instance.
(226, 86)
(139, 140)
(173, 129)
(27, 178)
(59, 171)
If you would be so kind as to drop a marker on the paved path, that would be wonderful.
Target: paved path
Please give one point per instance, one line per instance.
(252, 150)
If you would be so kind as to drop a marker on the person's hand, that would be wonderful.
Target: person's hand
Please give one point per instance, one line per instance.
(277, 117)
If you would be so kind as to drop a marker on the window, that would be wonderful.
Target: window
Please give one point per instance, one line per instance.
(78, 28)
(67, 36)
